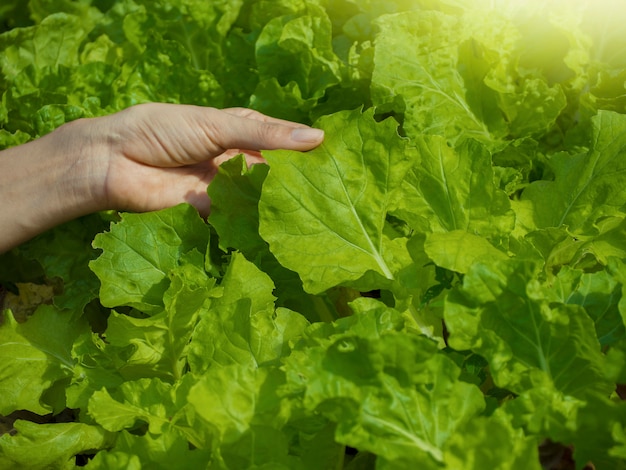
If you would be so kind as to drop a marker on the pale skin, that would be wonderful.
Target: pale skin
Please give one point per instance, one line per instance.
(147, 157)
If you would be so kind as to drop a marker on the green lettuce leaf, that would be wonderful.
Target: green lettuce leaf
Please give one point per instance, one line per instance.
(150, 249)
(415, 72)
(587, 186)
(233, 398)
(353, 176)
(94, 369)
(454, 189)
(70, 260)
(53, 43)
(599, 294)
(33, 359)
(592, 427)
(296, 61)
(242, 324)
(160, 407)
(559, 247)
(504, 314)
(235, 193)
(169, 450)
(388, 392)
(43, 446)
(474, 70)
(157, 346)
(458, 250)
(508, 447)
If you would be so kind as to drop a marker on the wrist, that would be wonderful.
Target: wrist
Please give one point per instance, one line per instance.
(76, 154)
(51, 180)
(83, 152)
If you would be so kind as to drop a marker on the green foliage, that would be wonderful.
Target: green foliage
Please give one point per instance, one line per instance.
(440, 285)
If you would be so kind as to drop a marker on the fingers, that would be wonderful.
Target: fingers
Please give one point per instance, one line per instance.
(252, 114)
(169, 135)
(248, 129)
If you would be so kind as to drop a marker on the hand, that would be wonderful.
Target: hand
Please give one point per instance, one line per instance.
(165, 154)
(147, 157)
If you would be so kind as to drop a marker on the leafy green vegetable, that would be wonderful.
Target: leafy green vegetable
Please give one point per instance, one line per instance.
(150, 251)
(440, 285)
(40, 446)
(587, 186)
(364, 167)
(504, 314)
(33, 360)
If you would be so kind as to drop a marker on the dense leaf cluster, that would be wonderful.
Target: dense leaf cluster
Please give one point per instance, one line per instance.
(440, 285)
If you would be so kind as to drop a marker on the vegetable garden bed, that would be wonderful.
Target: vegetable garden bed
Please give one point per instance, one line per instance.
(440, 285)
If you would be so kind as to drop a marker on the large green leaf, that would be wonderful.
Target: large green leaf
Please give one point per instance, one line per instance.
(70, 260)
(44, 446)
(94, 370)
(149, 246)
(242, 324)
(473, 74)
(459, 250)
(587, 186)
(296, 62)
(599, 293)
(162, 407)
(235, 193)
(54, 42)
(415, 71)
(507, 447)
(388, 392)
(135, 452)
(157, 345)
(323, 212)
(503, 313)
(235, 397)
(592, 427)
(33, 356)
(454, 189)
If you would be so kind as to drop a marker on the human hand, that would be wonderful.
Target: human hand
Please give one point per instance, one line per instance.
(147, 157)
(164, 154)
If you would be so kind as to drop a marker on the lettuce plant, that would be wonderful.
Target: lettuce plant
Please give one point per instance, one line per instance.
(440, 285)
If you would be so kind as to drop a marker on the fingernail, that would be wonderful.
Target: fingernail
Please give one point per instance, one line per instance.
(307, 135)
